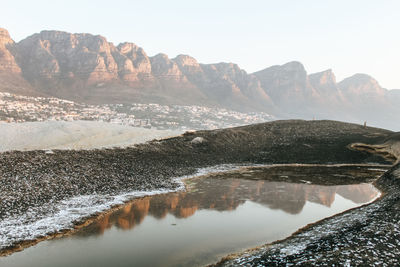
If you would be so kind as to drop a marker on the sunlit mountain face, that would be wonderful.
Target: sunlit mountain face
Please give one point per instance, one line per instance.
(88, 68)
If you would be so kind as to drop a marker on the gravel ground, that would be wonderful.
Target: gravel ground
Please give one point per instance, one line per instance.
(367, 236)
(34, 179)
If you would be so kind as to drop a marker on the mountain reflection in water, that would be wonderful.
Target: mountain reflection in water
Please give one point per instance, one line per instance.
(219, 214)
(225, 195)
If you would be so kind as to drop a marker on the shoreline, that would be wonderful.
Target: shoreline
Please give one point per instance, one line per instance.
(246, 252)
(145, 167)
(207, 172)
(85, 221)
(276, 253)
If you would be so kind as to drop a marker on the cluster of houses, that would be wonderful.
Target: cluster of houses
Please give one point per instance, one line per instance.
(17, 108)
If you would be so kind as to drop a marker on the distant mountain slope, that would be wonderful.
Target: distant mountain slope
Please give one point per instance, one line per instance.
(11, 79)
(88, 68)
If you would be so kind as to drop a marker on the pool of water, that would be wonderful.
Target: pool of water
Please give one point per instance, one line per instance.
(217, 215)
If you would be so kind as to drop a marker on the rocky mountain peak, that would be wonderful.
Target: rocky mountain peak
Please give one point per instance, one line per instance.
(164, 67)
(127, 48)
(293, 66)
(79, 41)
(7, 59)
(359, 78)
(225, 71)
(53, 35)
(86, 67)
(292, 70)
(51, 54)
(11, 79)
(361, 84)
(190, 68)
(132, 62)
(185, 60)
(323, 78)
(5, 37)
(161, 57)
(229, 67)
(287, 85)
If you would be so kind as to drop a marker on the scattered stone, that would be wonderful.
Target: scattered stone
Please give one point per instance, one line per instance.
(198, 140)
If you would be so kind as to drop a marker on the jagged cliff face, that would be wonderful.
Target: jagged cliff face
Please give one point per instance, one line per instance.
(361, 85)
(7, 60)
(133, 63)
(53, 56)
(88, 68)
(11, 79)
(164, 68)
(325, 83)
(366, 97)
(289, 87)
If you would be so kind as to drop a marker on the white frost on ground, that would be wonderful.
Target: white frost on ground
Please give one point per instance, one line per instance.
(38, 222)
(74, 135)
(54, 217)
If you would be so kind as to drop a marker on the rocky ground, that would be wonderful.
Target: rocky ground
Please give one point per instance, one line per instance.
(37, 178)
(366, 236)
(389, 149)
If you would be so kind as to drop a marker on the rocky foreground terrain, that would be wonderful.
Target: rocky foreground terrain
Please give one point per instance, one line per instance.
(36, 179)
(87, 68)
(365, 236)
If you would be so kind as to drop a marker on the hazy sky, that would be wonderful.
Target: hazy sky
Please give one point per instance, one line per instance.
(348, 36)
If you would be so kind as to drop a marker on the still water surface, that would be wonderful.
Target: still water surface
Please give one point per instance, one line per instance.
(214, 217)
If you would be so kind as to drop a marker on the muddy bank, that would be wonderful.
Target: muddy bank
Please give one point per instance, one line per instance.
(36, 179)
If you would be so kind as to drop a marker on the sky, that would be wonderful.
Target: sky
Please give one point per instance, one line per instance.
(347, 36)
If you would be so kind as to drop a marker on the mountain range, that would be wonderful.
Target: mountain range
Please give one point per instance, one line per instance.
(87, 68)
